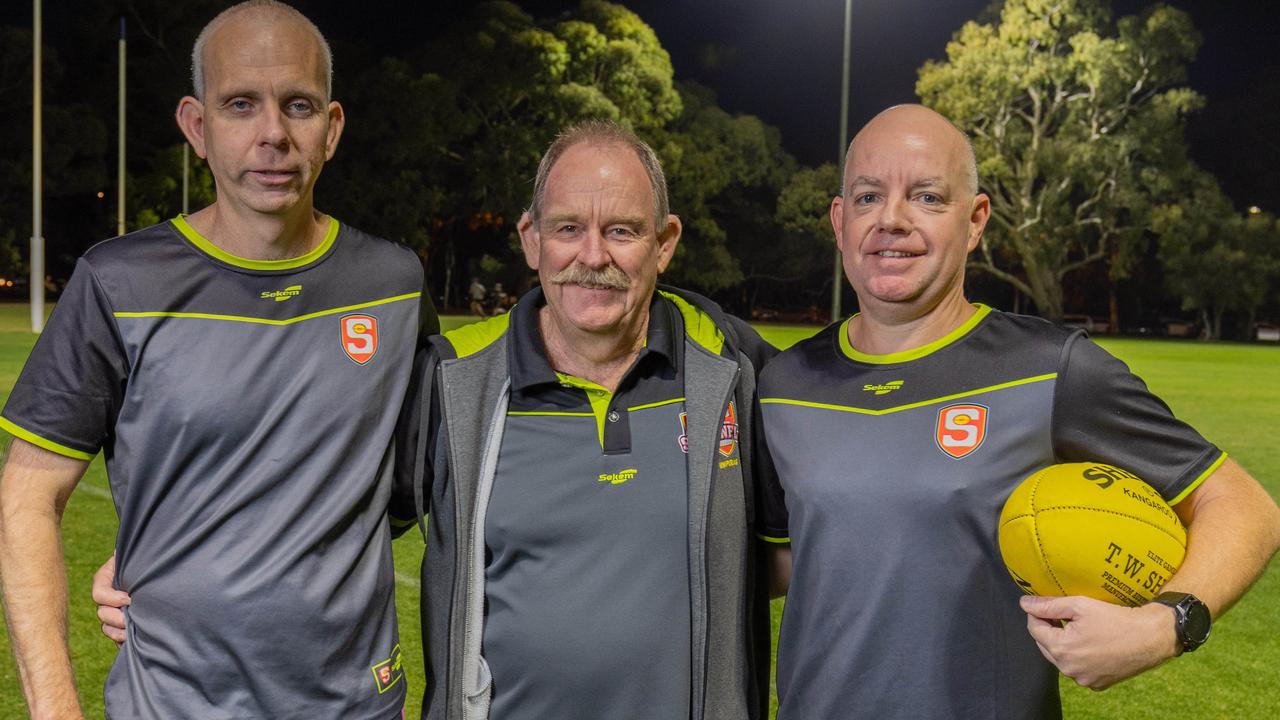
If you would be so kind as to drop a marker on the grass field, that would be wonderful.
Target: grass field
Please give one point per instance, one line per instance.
(1230, 392)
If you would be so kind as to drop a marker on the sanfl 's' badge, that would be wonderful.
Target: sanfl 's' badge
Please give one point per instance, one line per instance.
(359, 337)
(388, 672)
(961, 429)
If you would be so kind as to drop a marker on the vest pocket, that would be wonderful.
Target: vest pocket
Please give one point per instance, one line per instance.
(480, 693)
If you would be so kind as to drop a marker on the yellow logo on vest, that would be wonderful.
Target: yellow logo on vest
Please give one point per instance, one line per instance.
(617, 478)
(884, 389)
(282, 295)
(388, 672)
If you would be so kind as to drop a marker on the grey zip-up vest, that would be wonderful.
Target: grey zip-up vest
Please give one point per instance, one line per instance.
(729, 605)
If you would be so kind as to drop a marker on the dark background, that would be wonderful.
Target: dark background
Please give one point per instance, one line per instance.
(777, 59)
(781, 60)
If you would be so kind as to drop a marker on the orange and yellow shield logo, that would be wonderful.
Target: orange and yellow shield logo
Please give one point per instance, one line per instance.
(359, 337)
(729, 431)
(961, 429)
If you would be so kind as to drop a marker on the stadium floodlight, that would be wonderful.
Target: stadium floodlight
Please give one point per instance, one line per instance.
(837, 270)
(37, 183)
(120, 162)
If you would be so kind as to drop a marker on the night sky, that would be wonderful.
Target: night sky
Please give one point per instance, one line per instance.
(781, 60)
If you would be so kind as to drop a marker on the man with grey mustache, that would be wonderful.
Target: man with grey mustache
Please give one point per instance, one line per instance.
(590, 469)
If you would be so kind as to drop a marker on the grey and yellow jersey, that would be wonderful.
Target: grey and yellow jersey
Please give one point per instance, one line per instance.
(894, 469)
(245, 411)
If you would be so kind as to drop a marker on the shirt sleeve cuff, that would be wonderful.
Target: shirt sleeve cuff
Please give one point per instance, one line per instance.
(24, 434)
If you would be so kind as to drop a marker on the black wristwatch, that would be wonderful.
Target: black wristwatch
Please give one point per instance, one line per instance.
(1191, 619)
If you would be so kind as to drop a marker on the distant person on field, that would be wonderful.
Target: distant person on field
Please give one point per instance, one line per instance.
(497, 300)
(477, 294)
(899, 433)
(241, 370)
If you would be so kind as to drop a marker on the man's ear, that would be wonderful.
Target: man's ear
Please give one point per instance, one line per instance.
(978, 219)
(190, 117)
(529, 240)
(668, 238)
(337, 121)
(836, 213)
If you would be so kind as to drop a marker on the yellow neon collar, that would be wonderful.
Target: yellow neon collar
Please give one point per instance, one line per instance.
(208, 248)
(914, 353)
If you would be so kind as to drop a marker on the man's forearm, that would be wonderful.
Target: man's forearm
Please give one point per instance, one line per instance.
(35, 598)
(34, 580)
(1233, 530)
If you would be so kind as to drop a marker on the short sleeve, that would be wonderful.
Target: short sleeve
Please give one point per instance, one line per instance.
(769, 501)
(403, 505)
(428, 318)
(1104, 413)
(772, 517)
(414, 441)
(69, 392)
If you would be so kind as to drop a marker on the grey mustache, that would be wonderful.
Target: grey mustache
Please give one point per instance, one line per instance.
(610, 277)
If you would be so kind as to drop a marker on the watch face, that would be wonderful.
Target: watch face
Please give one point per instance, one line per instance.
(1197, 627)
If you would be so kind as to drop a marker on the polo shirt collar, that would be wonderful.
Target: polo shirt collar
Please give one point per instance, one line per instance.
(527, 354)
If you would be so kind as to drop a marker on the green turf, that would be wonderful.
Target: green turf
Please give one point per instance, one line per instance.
(1230, 392)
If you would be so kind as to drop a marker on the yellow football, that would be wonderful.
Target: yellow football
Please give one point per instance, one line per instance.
(1090, 529)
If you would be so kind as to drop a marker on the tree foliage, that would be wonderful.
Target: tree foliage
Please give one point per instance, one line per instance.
(809, 240)
(1217, 261)
(1078, 128)
(450, 168)
(450, 171)
(516, 81)
(724, 173)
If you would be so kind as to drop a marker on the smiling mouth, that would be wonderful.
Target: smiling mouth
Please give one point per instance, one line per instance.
(896, 254)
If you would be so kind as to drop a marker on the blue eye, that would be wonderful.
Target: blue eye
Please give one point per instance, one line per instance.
(930, 198)
(865, 198)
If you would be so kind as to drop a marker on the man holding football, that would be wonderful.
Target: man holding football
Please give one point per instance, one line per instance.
(898, 434)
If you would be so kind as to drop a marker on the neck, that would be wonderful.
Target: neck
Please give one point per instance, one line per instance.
(601, 358)
(260, 236)
(884, 330)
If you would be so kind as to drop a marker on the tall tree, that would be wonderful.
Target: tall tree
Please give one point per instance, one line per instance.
(1217, 261)
(517, 81)
(450, 168)
(725, 173)
(804, 260)
(1077, 124)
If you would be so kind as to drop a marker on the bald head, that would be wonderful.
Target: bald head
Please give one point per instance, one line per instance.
(255, 13)
(915, 127)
